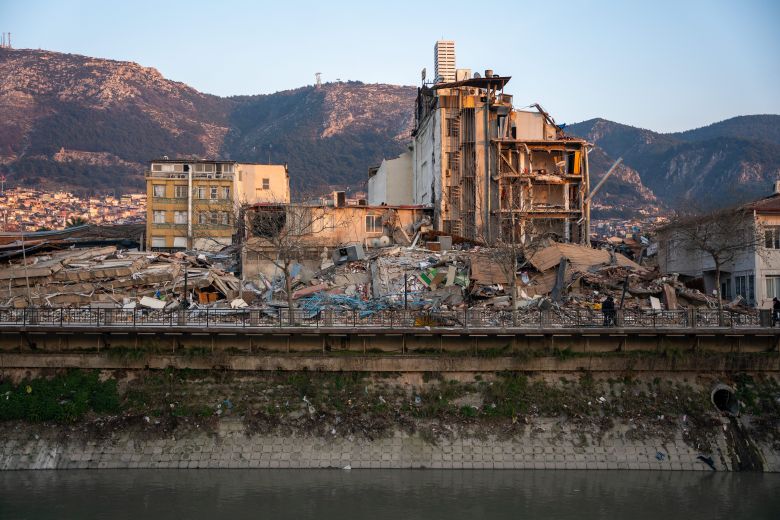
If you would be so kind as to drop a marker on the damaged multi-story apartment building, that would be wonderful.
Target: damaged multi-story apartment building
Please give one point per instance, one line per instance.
(488, 171)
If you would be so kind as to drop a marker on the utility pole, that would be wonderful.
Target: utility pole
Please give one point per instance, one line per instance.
(190, 167)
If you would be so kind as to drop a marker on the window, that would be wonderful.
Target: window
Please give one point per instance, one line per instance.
(745, 286)
(180, 192)
(373, 224)
(224, 218)
(158, 241)
(203, 217)
(159, 217)
(266, 184)
(180, 242)
(725, 289)
(772, 237)
(204, 168)
(157, 167)
(179, 217)
(773, 286)
(214, 190)
(214, 218)
(226, 192)
(159, 190)
(201, 194)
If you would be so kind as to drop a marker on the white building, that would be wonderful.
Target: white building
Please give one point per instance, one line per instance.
(753, 273)
(444, 60)
(391, 183)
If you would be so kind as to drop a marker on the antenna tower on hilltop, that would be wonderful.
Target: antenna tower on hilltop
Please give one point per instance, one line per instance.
(318, 75)
(5, 41)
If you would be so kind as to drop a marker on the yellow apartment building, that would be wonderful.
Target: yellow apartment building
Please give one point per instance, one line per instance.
(193, 204)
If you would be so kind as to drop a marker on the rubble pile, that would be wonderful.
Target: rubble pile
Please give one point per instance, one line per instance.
(556, 275)
(551, 275)
(108, 277)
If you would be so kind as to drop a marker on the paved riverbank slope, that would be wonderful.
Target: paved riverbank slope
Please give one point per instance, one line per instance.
(223, 419)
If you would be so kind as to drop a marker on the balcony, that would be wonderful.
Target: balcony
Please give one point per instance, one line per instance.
(168, 225)
(213, 202)
(168, 200)
(184, 175)
(215, 227)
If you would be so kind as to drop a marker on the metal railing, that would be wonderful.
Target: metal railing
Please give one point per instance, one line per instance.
(386, 319)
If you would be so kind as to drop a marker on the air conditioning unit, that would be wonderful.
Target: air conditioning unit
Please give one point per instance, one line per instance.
(348, 254)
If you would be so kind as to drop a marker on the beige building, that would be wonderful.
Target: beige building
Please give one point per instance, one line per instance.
(262, 183)
(194, 204)
(310, 233)
(487, 171)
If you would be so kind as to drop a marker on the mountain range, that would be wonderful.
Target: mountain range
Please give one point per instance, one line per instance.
(77, 122)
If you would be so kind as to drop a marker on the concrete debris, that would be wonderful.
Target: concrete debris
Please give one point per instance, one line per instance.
(108, 277)
(461, 276)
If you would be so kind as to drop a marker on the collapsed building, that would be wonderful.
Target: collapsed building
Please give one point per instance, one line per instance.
(488, 171)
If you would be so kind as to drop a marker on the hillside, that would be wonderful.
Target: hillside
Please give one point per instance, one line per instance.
(723, 164)
(77, 122)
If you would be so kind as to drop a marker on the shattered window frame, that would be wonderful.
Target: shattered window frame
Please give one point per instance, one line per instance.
(158, 216)
(158, 191)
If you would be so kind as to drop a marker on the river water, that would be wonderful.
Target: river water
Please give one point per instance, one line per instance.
(380, 494)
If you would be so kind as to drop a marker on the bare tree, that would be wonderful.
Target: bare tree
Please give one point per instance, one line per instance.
(283, 234)
(722, 236)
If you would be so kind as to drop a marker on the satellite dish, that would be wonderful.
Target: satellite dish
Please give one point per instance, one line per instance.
(476, 75)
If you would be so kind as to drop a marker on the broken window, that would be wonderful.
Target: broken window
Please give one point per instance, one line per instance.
(224, 218)
(201, 193)
(158, 241)
(159, 217)
(226, 192)
(203, 217)
(180, 242)
(268, 222)
(159, 190)
(179, 217)
(373, 224)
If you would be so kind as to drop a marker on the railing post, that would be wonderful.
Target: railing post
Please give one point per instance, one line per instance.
(61, 312)
(97, 318)
(24, 316)
(207, 318)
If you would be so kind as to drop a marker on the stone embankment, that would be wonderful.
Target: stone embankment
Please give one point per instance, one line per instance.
(223, 419)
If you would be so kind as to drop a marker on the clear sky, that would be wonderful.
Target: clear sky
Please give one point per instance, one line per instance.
(657, 64)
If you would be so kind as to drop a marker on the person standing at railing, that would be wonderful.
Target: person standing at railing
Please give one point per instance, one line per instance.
(608, 308)
(775, 310)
